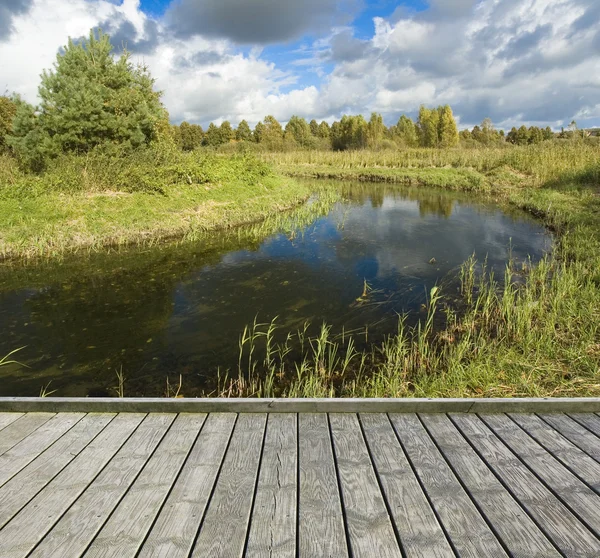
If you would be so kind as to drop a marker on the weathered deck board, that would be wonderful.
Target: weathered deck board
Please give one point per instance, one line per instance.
(79, 526)
(584, 503)
(320, 522)
(514, 527)
(125, 531)
(225, 526)
(420, 532)
(562, 527)
(23, 453)
(175, 530)
(273, 527)
(30, 525)
(467, 529)
(369, 525)
(330, 484)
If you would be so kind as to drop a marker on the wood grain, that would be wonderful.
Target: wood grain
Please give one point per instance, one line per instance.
(174, 532)
(420, 532)
(321, 523)
(273, 524)
(78, 527)
(467, 529)
(19, 429)
(125, 531)
(559, 524)
(225, 526)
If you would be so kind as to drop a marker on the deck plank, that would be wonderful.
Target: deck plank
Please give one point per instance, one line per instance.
(8, 418)
(126, 530)
(273, 524)
(420, 532)
(557, 521)
(31, 524)
(583, 501)
(468, 531)
(321, 524)
(575, 433)
(225, 525)
(369, 525)
(589, 420)
(84, 519)
(23, 453)
(23, 487)
(570, 455)
(19, 429)
(515, 528)
(173, 534)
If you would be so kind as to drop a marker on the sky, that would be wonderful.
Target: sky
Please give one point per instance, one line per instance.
(532, 62)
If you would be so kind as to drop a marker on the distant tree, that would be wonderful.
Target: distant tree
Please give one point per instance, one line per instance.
(314, 128)
(8, 110)
(213, 137)
(298, 129)
(522, 136)
(324, 130)
(427, 127)
(353, 131)
(90, 98)
(447, 130)
(272, 135)
(188, 136)
(259, 131)
(511, 137)
(466, 135)
(548, 133)
(375, 130)
(243, 132)
(226, 131)
(406, 132)
(535, 135)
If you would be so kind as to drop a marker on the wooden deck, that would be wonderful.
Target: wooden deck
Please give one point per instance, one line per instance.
(288, 484)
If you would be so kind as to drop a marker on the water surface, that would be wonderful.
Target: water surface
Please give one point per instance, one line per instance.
(180, 310)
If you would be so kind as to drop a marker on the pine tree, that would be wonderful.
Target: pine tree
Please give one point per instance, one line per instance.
(259, 132)
(89, 99)
(447, 130)
(226, 131)
(243, 132)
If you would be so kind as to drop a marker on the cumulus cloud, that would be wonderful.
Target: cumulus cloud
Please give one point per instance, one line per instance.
(259, 21)
(8, 10)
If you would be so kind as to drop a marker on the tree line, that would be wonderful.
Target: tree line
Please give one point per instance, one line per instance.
(434, 127)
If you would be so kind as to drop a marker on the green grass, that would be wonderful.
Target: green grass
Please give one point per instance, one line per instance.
(88, 203)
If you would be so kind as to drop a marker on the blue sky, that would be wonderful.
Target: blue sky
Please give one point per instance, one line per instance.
(515, 61)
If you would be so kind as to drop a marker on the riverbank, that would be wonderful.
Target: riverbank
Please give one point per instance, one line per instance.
(90, 203)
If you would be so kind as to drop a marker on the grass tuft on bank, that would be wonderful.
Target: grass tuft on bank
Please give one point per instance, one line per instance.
(98, 200)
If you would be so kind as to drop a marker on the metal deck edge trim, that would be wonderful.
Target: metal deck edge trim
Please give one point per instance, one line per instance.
(256, 405)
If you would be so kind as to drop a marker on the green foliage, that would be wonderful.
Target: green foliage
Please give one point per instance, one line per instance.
(243, 132)
(324, 130)
(226, 131)
(299, 131)
(8, 110)
(447, 130)
(188, 136)
(272, 133)
(375, 130)
(406, 132)
(89, 99)
(428, 127)
(213, 136)
(314, 128)
(350, 133)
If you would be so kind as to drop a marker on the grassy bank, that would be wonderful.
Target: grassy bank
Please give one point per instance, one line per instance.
(538, 335)
(83, 203)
